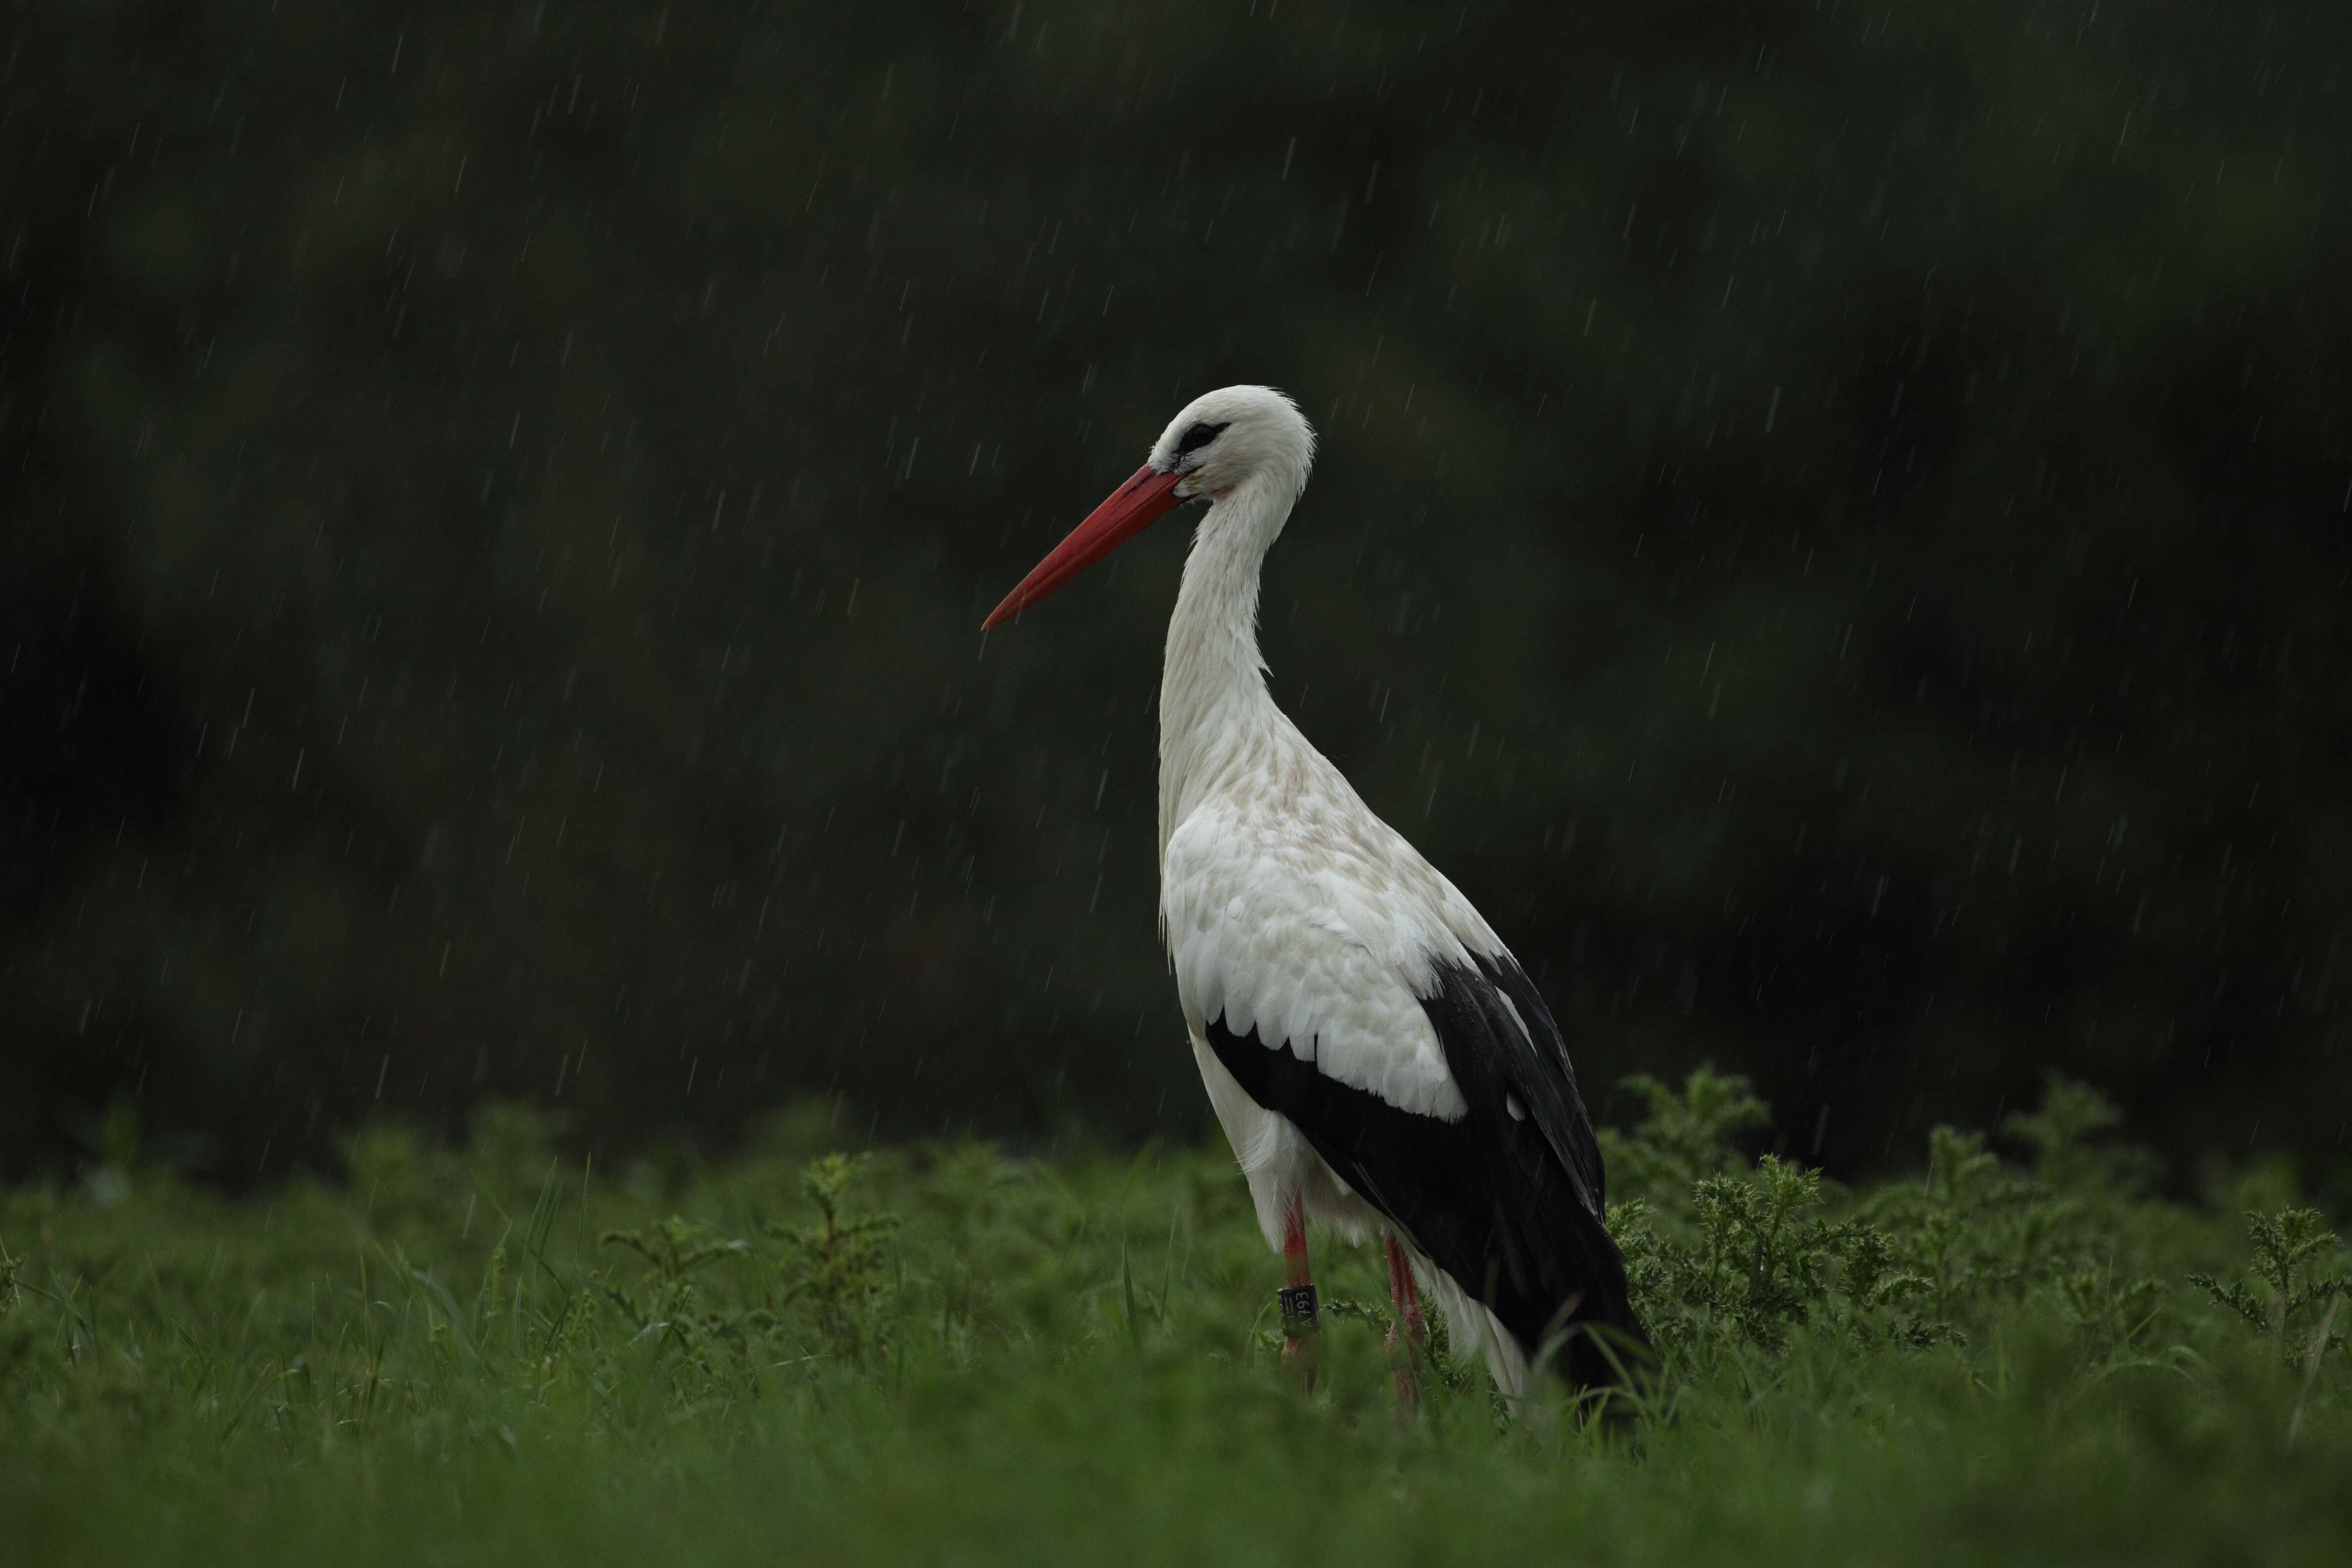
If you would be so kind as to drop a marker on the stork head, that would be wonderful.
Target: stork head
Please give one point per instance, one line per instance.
(1223, 441)
(1228, 437)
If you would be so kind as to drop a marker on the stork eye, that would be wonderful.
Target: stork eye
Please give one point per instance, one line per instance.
(1198, 436)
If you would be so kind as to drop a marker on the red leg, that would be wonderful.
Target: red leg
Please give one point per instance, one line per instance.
(1297, 1298)
(1404, 1359)
(1294, 1243)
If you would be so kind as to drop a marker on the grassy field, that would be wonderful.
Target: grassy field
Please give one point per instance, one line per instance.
(943, 1355)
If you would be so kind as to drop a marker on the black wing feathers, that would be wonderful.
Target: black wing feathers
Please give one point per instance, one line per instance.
(1509, 1206)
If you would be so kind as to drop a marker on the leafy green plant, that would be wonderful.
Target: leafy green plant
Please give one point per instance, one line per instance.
(1974, 1228)
(837, 1266)
(2279, 1295)
(1724, 1253)
(667, 1305)
(1978, 1231)
(2061, 1132)
(1756, 1258)
(1685, 1134)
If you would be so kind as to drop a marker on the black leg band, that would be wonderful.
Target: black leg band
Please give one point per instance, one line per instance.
(1299, 1309)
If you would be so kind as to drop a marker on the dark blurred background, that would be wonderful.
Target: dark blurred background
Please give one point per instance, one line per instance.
(1833, 528)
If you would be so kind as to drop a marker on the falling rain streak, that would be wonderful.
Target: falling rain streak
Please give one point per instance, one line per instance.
(505, 516)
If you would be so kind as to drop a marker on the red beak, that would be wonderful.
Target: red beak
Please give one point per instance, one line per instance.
(1131, 509)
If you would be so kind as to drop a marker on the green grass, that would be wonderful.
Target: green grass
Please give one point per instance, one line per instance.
(943, 1355)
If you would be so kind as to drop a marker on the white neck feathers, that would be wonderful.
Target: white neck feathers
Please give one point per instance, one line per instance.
(1214, 714)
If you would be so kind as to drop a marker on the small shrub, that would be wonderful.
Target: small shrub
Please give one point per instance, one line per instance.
(2279, 1296)
(1722, 1253)
(667, 1305)
(1686, 1135)
(837, 1266)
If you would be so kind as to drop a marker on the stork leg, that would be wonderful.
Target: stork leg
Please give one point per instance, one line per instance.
(1297, 1299)
(1404, 1358)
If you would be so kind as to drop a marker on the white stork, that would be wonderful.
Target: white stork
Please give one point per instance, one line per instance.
(1378, 1060)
